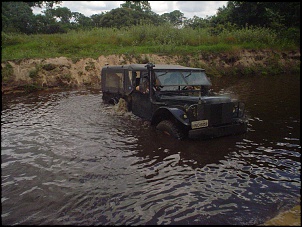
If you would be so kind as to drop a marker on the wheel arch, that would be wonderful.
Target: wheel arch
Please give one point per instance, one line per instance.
(170, 113)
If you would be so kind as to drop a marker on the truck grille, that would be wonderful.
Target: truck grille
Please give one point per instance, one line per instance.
(216, 114)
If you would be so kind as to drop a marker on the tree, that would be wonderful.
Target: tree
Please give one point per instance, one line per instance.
(142, 6)
(287, 13)
(81, 20)
(117, 18)
(17, 17)
(62, 13)
(276, 15)
(176, 18)
(96, 18)
(40, 4)
(47, 25)
(223, 15)
(197, 22)
(124, 17)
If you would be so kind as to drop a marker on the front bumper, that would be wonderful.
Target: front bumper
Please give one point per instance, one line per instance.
(219, 131)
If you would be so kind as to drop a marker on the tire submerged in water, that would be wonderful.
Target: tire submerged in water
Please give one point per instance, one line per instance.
(170, 128)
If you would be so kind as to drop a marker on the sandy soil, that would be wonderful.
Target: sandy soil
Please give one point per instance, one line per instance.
(288, 218)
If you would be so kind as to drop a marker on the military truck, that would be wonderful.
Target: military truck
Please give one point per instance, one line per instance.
(175, 99)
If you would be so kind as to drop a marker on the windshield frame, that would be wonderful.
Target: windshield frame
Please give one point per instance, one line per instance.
(177, 77)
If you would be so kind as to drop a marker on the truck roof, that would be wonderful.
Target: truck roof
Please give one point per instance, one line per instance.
(144, 67)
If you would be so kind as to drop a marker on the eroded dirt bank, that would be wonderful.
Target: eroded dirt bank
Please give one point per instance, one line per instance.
(32, 74)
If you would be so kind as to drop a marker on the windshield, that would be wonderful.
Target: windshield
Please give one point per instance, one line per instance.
(182, 78)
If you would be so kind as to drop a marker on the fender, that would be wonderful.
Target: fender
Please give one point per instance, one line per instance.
(168, 111)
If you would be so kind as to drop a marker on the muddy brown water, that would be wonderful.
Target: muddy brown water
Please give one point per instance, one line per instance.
(67, 158)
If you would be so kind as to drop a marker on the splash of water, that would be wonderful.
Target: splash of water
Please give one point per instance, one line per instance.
(121, 106)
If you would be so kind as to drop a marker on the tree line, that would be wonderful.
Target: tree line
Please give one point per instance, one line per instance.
(282, 17)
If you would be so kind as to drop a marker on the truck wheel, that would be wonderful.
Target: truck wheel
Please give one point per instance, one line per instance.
(171, 129)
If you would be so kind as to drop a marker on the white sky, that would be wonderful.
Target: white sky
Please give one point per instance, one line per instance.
(188, 8)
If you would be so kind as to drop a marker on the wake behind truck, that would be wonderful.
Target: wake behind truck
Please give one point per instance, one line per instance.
(175, 99)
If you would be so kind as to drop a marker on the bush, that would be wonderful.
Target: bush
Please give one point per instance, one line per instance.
(7, 73)
(9, 39)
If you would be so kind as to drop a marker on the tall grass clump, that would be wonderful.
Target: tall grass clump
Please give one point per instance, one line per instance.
(168, 35)
(141, 39)
(9, 39)
(253, 37)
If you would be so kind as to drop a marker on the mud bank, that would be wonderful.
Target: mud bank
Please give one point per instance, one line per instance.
(34, 74)
(288, 218)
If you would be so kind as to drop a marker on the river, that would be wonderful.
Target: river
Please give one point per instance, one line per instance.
(69, 159)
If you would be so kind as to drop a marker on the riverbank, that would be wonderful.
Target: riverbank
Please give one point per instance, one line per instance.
(287, 218)
(28, 75)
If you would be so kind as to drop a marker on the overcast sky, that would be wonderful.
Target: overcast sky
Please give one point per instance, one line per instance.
(188, 8)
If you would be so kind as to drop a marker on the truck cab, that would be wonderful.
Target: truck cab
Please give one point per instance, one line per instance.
(175, 99)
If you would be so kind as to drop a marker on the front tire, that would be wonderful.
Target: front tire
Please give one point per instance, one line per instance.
(170, 128)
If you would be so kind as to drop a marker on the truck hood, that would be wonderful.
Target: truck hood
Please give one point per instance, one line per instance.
(195, 99)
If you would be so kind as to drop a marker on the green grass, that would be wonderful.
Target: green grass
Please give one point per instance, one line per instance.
(147, 39)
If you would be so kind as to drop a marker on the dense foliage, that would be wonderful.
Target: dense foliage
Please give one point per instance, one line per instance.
(140, 39)
(18, 17)
(134, 28)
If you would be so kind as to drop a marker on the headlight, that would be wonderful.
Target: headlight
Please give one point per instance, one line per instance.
(191, 110)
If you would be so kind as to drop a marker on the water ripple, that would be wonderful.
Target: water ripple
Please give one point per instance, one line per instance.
(69, 159)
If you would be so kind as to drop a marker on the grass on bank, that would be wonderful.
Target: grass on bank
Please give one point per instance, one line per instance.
(142, 39)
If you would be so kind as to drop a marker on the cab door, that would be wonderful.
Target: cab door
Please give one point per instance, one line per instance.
(141, 105)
